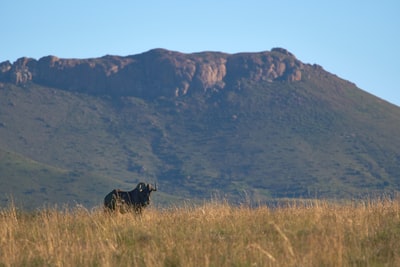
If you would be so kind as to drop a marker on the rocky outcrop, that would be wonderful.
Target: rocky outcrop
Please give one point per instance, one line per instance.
(278, 64)
(20, 72)
(157, 72)
(5, 68)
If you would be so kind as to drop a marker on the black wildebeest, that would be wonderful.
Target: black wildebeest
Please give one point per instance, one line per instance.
(135, 200)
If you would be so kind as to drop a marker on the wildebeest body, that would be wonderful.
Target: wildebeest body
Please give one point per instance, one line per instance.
(135, 200)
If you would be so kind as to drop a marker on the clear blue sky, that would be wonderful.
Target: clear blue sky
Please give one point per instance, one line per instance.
(356, 40)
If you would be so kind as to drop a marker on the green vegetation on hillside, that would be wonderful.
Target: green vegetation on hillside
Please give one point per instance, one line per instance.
(318, 137)
(30, 184)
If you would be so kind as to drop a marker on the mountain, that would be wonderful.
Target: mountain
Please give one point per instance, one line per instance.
(245, 127)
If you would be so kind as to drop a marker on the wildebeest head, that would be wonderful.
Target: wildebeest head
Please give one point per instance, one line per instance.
(145, 192)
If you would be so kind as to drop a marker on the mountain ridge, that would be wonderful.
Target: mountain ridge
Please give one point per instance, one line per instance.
(244, 126)
(165, 72)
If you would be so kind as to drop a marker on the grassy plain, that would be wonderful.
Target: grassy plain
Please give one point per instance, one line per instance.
(316, 233)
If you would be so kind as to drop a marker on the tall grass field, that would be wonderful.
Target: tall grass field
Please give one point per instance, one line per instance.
(316, 233)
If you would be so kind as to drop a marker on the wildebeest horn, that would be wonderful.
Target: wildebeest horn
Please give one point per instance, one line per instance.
(140, 187)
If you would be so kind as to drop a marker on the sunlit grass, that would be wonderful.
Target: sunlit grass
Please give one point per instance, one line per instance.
(317, 233)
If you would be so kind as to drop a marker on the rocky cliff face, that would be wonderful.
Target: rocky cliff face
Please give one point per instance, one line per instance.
(157, 72)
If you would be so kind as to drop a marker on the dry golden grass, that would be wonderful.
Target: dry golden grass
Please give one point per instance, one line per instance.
(213, 234)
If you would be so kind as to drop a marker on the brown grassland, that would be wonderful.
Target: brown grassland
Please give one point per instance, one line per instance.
(317, 233)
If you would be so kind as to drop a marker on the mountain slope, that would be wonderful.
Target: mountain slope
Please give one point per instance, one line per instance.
(30, 184)
(249, 125)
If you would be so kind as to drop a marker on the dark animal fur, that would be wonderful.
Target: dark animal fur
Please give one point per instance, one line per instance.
(123, 201)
